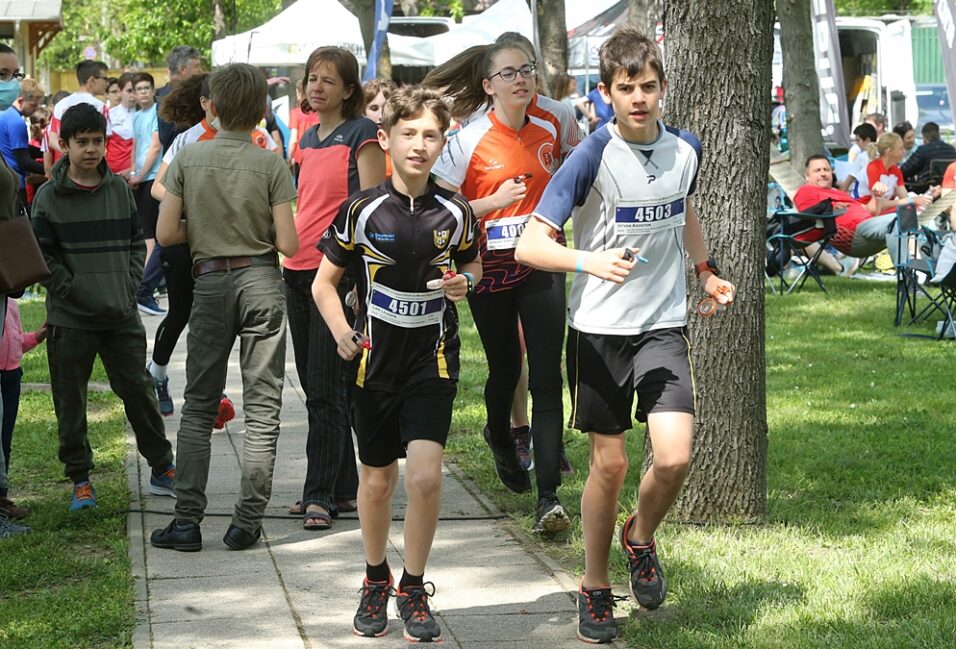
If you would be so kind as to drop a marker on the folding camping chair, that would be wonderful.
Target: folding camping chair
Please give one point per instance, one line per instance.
(914, 249)
(945, 280)
(783, 246)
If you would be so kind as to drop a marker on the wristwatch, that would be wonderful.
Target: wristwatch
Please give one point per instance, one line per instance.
(710, 265)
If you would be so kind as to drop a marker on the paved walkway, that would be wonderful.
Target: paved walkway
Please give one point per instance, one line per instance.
(298, 589)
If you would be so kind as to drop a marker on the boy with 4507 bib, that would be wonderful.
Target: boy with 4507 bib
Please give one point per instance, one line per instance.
(627, 189)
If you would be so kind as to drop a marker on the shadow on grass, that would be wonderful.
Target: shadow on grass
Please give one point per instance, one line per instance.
(711, 612)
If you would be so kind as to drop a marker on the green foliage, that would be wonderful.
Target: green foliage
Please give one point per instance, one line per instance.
(880, 7)
(452, 8)
(143, 31)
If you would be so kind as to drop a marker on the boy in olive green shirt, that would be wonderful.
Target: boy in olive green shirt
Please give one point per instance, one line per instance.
(237, 199)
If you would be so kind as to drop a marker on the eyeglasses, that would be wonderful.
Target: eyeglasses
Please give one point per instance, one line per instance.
(8, 76)
(508, 74)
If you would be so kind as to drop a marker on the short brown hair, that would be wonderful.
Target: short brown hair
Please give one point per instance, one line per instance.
(347, 67)
(631, 51)
(30, 90)
(239, 91)
(139, 77)
(127, 77)
(373, 87)
(410, 103)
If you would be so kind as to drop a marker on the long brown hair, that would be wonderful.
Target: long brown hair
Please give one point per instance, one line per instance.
(461, 77)
(346, 65)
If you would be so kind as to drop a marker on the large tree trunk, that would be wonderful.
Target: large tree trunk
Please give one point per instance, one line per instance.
(553, 41)
(218, 20)
(804, 130)
(644, 15)
(718, 60)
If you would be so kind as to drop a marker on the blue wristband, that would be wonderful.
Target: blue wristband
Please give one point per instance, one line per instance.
(580, 266)
(471, 281)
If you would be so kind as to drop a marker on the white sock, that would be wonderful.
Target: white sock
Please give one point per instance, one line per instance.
(158, 372)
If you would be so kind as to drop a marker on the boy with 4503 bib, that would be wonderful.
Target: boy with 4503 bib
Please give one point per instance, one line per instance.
(628, 191)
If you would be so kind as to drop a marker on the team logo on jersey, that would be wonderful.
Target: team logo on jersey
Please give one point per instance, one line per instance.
(440, 237)
(546, 157)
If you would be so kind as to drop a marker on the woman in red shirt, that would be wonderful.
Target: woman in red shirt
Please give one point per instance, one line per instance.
(340, 156)
(885, 178)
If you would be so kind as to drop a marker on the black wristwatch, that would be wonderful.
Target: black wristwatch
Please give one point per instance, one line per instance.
(710, 265)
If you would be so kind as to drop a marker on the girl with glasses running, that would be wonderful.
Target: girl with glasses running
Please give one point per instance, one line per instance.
(502, 162)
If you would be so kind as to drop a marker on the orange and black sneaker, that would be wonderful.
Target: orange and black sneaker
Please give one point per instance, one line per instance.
(412, 605)
(371, 618)
(647, 583)
(596, 623)
(227, 412)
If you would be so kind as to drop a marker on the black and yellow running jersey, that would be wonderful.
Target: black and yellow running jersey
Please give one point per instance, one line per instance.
(397, 245)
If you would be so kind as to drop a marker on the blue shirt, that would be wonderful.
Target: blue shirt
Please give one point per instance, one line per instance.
(145, 123)
(13, 136)
(603, 110)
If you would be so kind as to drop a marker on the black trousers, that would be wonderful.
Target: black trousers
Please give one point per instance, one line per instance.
(177, 265)
(540, 305)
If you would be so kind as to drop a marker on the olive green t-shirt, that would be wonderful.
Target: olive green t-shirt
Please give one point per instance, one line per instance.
(229, 186)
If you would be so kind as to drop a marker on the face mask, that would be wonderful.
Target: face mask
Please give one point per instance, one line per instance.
(9, 92)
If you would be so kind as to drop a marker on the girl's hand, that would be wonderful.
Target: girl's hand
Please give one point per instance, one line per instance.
(509, 192)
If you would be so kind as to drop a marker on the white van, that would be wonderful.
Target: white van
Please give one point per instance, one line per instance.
(877, 68)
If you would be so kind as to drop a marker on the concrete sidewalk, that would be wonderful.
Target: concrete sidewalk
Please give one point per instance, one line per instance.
(298, 589)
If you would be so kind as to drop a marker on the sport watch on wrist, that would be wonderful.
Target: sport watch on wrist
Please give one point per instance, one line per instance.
(710, 265)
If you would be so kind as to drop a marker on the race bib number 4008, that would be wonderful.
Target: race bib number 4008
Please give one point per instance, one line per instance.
(503, 233)
(648, 218)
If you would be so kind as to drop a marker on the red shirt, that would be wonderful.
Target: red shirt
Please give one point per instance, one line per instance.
(329, 175)
(876, 172)
(809, 195)
(301, 122)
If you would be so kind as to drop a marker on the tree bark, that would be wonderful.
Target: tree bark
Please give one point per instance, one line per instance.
(718, 60)
(553, 41)
(644, 14)
(804, 129)
(218, 20)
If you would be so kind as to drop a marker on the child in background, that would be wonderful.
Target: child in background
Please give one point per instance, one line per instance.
(85, 221)
(13, 345)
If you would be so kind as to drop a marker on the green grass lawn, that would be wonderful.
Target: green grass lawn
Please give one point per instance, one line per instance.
(859, 549)
(67, 584)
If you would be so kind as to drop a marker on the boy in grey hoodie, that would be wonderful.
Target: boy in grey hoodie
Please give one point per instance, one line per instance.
(85, 220)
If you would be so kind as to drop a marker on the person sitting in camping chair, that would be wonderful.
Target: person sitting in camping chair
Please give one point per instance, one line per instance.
(859, 232)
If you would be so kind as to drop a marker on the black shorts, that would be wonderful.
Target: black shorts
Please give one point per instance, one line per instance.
(385, 422)
(147, 208)
(605, 371)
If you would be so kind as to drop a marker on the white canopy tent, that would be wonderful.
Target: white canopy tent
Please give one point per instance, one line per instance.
(481, 29)
(290, 37)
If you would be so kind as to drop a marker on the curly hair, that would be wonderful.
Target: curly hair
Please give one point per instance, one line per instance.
(181, 106)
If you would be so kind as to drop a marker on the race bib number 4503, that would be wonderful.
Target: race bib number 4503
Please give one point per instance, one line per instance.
(648, 218)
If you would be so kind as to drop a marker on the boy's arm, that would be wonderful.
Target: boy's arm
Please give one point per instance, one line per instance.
(327, 300)
(158, 190)
(717, 288)
(287, 240)
(170, 228)
(155, 149)
(60, 279)
(537, 248)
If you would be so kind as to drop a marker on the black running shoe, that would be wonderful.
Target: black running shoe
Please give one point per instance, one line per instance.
(596, 622)
(412, 605)
(371, 618)
(522, 437)
(549, 516)
(507, 466)
(648, 585)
